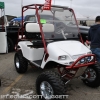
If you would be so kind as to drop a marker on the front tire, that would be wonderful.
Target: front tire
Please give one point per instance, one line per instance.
(49, 83)
(20, 62)
(93, 79)
(0, 82)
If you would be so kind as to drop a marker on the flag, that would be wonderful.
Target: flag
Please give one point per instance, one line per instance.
(47, 5)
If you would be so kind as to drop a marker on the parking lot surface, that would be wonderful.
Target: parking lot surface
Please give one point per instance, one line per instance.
(24, 84)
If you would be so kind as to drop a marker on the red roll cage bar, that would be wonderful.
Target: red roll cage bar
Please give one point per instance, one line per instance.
(36, 6)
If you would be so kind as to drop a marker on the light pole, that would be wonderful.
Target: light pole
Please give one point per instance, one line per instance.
(70, 3)
(54, 2)
(21, 3)
(88, 20)
(21, 6)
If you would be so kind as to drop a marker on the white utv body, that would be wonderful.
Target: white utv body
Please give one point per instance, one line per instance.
(54, 42)
(62, 52)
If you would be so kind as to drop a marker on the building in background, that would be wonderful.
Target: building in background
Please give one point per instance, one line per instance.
(84, 20)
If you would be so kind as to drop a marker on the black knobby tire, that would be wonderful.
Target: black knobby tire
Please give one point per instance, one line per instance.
(23, 63)
(54, 80)
(10, 45)
(0, 82)
(96, 82)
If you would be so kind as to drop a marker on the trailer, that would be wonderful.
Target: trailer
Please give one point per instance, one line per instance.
(3, 33)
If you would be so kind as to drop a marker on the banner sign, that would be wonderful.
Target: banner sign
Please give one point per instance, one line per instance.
(2, 6)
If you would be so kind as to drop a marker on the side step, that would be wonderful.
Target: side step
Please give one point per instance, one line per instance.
(37, 63)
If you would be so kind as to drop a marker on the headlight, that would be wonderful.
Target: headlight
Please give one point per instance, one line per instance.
(88, 58)
(82, 60)
(62, 57)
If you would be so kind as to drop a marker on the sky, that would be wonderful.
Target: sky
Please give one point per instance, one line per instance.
(86, 8)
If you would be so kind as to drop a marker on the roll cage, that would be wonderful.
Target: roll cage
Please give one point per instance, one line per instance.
(38, 7)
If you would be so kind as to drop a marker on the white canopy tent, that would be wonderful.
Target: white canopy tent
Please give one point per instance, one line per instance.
(80, 16)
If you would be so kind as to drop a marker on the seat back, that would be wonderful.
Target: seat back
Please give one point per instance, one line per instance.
(32, 30)
(34, 27)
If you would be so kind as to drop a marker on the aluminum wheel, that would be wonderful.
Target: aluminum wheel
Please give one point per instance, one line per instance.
(91, 74)
(46, 90)
(17, 62)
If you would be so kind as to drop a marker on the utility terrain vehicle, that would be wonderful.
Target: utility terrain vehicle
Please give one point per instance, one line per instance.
(55, 42)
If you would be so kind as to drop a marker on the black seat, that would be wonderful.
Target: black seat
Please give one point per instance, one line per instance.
(37, 43)
(34, 35)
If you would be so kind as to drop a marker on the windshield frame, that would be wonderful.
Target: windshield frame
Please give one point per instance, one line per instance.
(76, 23)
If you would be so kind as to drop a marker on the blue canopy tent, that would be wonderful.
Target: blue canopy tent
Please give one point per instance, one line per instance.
(18, 19)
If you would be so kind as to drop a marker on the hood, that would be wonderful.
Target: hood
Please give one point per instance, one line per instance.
(72, 47)
(95, 27)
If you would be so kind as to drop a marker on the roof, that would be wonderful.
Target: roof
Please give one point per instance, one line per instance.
(9, 18)
(2, 5)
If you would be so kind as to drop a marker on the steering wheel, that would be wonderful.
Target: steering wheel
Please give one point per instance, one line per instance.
(63, 34)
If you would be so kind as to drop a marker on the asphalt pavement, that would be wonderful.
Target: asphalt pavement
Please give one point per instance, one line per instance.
(24, 84)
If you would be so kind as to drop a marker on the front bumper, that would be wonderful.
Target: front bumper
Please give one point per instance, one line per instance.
(76, 64)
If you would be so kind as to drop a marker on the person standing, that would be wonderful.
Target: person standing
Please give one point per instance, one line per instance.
(94, 38)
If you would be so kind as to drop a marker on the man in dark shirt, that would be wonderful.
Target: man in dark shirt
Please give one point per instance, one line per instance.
(94, 38)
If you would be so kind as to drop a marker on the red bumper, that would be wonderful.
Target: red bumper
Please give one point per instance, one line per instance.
(76, 64)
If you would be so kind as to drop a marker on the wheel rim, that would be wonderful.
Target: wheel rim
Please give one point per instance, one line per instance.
(46, 90)
(17, 62)
(91, 74)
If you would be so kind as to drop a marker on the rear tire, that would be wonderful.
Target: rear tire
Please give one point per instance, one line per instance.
(55, 84)
(10, 45)
(94, 72)
(20, 62)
